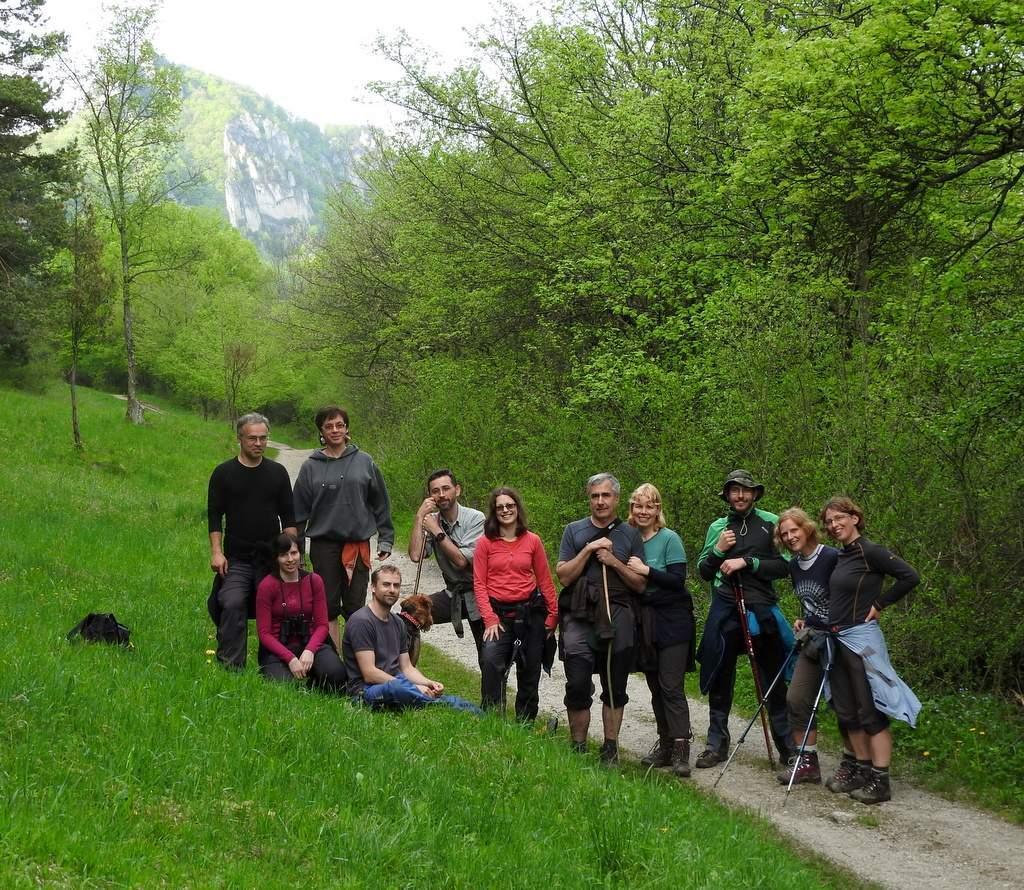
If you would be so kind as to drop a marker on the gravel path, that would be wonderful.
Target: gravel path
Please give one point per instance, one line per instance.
(915, 840)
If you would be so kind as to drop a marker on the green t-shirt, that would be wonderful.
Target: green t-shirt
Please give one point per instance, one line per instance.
(664, 549)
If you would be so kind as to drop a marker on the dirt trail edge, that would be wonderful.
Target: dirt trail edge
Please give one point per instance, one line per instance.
(915, 840)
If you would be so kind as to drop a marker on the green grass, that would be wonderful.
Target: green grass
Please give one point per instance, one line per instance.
(154, 767)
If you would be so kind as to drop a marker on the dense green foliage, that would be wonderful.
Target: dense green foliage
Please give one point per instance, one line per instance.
(670, 239)
(31, 181)
(153, 766)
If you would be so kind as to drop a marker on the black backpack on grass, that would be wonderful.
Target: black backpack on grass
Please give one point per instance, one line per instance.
(100, 627)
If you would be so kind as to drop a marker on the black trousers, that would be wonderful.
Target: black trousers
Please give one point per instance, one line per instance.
(851, 694)
(236, 592)
(497, 655)
(328, 671)
(583, 656)
(671, 709)
(343, 597)
(769, 655)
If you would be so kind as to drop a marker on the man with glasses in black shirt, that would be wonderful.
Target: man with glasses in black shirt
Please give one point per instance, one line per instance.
(252, 496)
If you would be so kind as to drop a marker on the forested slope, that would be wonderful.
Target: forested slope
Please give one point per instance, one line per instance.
(667, 239)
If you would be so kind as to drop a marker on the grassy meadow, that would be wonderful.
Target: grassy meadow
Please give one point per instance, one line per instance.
(153, 767)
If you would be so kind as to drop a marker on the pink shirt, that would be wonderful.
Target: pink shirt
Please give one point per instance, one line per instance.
(508, 572)
(277, 600)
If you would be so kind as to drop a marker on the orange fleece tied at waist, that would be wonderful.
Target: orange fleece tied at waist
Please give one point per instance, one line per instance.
(350, 552)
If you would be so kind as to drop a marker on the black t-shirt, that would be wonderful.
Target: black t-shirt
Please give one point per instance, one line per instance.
(256, 503)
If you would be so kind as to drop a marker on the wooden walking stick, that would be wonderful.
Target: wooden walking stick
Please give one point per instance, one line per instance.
(611, 641)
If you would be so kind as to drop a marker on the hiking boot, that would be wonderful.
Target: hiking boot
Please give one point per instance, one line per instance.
(680, 758)
(849, 776)
(711, 756)
(803, 769)
(609, 753)
(578, 747)
(660, 755)
(875, 790)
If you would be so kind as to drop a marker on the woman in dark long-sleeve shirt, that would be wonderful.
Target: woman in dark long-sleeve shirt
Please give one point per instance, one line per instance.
(857, 598)
(669, 632)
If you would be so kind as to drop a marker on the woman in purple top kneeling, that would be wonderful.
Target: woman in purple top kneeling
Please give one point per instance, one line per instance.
(291, 620)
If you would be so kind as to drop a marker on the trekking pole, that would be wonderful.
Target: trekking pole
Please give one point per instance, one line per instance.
(611, 641)
(814, 710)
(741, 608)
(762, 704)
(419, 566)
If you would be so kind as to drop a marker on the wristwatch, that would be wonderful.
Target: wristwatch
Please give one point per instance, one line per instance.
(439, 537)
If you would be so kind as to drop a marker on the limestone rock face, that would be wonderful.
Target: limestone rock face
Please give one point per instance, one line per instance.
(260, 186)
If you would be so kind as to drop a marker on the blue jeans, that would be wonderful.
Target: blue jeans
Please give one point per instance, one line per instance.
(401, 692)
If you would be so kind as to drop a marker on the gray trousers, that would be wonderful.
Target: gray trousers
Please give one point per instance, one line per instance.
(668, 700)
(236, 592)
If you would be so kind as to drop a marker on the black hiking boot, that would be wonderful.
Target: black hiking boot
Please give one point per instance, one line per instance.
(712, 756)
(609, 753)
(660, 755)
(875, 790)
(578, 747)
(680, 758)
(849, 776)
(806, 768)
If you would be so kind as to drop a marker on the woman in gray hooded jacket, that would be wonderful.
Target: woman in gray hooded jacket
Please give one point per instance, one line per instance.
(341, 501)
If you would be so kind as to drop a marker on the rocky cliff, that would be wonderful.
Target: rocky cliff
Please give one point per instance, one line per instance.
(269, 172)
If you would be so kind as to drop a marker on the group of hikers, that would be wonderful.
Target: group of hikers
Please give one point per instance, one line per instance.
(623, 607)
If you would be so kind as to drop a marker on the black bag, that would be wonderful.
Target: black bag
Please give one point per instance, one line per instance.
(100, 627)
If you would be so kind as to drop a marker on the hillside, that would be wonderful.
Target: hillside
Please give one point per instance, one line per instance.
(269, 172)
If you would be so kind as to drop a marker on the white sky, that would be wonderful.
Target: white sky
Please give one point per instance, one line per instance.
(313, 57)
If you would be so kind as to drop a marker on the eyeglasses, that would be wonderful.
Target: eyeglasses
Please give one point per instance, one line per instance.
(505, 508)
(837, 518)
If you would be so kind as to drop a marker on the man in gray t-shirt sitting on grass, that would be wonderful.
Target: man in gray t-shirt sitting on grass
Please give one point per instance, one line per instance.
(376, 653)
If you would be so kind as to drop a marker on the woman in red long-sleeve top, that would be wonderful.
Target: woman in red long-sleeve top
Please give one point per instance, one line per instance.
(516, 597)
(291, 620)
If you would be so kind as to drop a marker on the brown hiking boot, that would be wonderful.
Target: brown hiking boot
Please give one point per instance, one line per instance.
(680, 758)
(875, 790)
(660, 755)
(712, 756)
(849, 776)
(806, 769)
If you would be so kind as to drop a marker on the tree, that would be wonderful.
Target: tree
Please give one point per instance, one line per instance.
(131, 104)
(31, 218)
(86, 291)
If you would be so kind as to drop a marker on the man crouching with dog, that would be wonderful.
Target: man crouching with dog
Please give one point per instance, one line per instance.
(376, 652)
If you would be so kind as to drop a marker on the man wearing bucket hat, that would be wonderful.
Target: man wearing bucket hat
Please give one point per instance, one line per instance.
(740, 547)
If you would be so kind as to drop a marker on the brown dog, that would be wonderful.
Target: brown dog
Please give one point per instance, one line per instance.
(415, 612)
